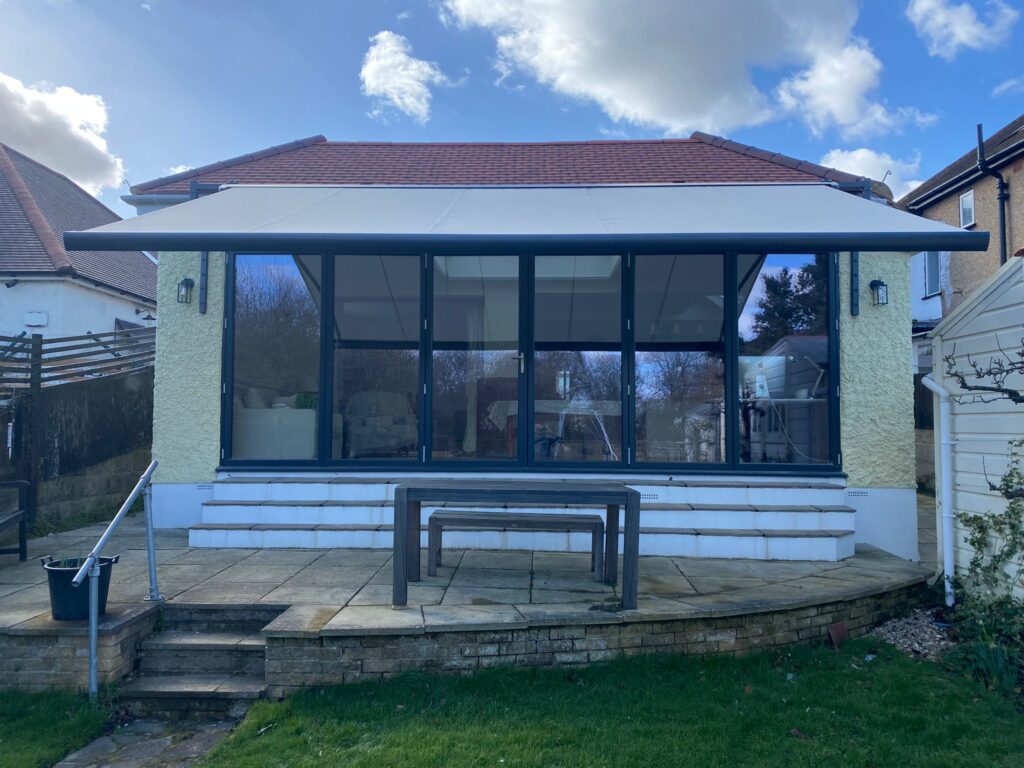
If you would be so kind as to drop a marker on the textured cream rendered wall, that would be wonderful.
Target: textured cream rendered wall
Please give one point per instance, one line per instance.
(876, 401)
(186, 404)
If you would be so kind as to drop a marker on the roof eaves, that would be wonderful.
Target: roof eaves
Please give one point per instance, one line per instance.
(49, 240)
(192, 173)
(914, 200)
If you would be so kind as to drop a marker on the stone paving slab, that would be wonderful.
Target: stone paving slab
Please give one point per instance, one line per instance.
(339, 592)
(375, 620)
(455, 618)
(301, 621)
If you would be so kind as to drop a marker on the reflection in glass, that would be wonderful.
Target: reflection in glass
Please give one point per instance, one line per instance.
(376, 357)
(276, 357)
(680, 387)
(578, 359)
(783, 365)
(475, 357)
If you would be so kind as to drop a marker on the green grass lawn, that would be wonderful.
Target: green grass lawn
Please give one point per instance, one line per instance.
(40, 729)
(806, 707)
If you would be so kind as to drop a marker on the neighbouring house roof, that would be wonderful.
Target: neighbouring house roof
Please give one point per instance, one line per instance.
(37, 205)
(1002, 146)
(702, 158)
(557, 219)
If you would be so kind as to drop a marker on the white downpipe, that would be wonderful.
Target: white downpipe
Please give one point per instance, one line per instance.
(945, 480)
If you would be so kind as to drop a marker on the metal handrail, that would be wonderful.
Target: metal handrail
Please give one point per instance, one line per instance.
(91, 567)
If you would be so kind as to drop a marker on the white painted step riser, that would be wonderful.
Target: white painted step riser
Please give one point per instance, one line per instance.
(680, 545)
(374, 492)
(651, 518)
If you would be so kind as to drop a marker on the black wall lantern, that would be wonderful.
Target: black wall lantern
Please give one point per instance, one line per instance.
(879, 293)
(185, 290)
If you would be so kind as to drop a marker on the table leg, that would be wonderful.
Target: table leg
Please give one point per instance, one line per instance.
(611, 545)
(631, 552)
(413, 540)
(399, 558)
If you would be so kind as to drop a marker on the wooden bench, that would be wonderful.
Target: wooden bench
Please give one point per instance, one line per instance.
(512, 521)
(17, 518)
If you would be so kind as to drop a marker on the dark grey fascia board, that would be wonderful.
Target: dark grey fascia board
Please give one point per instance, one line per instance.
(964, 178)
(796, 242)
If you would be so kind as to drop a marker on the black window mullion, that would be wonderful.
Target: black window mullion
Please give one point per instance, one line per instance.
(426, 358)
(732, 363)
(628, 361)
(228, 360)
(325, 415)
(527, 299)
(834, 437)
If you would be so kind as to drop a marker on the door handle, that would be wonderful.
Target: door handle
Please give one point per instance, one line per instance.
(521, 357)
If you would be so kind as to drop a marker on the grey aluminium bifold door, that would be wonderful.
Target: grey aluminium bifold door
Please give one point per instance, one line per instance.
(477, 360)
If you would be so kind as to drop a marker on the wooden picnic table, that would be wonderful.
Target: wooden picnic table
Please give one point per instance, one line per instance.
(411, 495)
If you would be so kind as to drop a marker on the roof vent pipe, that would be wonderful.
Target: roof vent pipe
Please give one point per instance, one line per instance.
(1002, 195)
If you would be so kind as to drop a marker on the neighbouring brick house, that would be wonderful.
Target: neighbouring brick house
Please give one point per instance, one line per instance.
(961, 195)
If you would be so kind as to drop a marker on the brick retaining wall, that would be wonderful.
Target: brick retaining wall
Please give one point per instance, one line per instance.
(298, 662)
(56, 656)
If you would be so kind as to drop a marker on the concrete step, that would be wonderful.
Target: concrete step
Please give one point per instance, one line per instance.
(239, 620)
(661, 515)
(178, 652)
(745, 490)
(192, 696)
(754, 543)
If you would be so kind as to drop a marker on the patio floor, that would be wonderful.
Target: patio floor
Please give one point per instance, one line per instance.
(352, 588)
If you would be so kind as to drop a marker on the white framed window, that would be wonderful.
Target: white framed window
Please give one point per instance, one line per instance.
(967, 209)
(931, 273)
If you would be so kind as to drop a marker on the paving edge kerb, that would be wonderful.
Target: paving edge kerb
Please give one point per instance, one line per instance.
(296, 662)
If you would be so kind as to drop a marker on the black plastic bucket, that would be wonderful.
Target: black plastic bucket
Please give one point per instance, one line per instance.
(71, 603)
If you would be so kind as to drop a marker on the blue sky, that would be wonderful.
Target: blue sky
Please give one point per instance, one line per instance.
(111, 89)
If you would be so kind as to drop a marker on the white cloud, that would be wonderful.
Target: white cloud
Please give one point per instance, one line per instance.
(867, 162)
(396, 79)
(835, 91)
(1013, 85)
(947, 28)
(61, 128)
(678, 67)
(177, 169)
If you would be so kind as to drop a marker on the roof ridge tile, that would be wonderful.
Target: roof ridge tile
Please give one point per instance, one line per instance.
(52, 245)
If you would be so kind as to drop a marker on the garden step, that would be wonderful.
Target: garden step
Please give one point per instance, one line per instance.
(284, 513)
(192, 696)
(744, 490)
(829, 544)
(181, 652)
(242, 620)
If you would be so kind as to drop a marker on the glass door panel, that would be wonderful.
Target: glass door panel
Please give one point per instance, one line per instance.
(276, 364)
(376, 340)
(784, 373)
(577, 406)
(680, 366)
(476, 358)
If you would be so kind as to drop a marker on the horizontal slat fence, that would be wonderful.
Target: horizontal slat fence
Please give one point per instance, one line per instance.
(33, 361)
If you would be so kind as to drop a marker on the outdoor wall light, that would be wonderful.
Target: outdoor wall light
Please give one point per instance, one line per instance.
(185, 290)
(879, 293)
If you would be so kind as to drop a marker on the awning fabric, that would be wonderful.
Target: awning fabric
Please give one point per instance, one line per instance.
(683, 218)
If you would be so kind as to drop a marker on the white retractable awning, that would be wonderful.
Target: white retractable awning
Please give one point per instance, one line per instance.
(741, 217)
